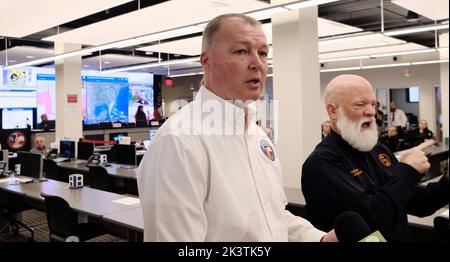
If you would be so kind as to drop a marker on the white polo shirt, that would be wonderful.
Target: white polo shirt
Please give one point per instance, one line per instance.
(207, 178)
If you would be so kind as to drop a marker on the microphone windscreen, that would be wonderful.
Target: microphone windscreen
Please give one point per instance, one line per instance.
(350, 227)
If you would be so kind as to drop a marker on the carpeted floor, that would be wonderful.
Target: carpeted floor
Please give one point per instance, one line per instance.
(38, 221)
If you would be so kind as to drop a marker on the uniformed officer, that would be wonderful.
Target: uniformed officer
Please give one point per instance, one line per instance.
(349, 170)
(211, 174)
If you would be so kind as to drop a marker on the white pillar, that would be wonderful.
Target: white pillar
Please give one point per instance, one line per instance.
(68, 94)
(443, 41)
(296, 89)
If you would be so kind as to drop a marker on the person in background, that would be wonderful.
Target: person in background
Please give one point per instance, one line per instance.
(140, 117)
(350, 171)
(392, 139)
(211, 173)
(267, 130)
(326, 126)
(39, 146)
(398, 117)
(379, 118)
(44, 122)
(142, 99)
(422, 133)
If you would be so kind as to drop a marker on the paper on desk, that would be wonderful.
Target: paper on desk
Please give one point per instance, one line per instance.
(127, 201)
(15, 179)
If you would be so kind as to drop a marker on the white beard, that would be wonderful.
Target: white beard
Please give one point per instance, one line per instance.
(351, 132)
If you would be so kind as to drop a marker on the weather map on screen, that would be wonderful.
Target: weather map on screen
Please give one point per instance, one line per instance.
(103, 98)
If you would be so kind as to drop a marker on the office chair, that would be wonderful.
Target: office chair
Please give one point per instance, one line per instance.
(62, 221)
(10, 211)
(99, 178)
(51, 170)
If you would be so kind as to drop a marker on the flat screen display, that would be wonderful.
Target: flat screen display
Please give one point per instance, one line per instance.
(13, 118)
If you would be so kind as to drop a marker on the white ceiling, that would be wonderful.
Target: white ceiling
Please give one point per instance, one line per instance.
(192, 46)
(433, 9)
(154, 19)
(114, 60)
(357, 42)
(19, 18)
(18, 54)
(373, 50)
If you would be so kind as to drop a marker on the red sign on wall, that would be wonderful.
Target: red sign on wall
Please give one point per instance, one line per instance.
(72, 98)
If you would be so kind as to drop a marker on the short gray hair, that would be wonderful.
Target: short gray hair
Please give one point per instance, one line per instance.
(214, 25)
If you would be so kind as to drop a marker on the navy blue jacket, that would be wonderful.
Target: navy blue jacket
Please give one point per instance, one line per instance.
(337, 178)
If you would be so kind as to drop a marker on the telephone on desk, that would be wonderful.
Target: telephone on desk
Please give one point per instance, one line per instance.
(93, 160)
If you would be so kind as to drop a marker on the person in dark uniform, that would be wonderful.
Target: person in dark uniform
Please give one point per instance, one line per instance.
(392, 140)
(420, 134)
(349, 170)
(140, 117)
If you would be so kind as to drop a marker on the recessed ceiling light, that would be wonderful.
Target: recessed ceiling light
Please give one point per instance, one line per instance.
(30, 56)
(85, 65)
(12, 61)
(149, 53)
(106, 62)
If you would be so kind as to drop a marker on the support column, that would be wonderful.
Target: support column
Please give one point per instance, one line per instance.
(68, 94)
(296, 89)
(443, 41)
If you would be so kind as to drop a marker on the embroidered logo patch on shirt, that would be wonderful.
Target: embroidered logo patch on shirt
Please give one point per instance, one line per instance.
(267, 149)
(384, 159)
(356, 172)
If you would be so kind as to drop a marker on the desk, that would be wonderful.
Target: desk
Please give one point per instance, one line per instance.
(90, 201)
(130, 219)
(113, 170)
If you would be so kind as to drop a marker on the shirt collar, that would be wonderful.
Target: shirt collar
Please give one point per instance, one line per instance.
(237, 117)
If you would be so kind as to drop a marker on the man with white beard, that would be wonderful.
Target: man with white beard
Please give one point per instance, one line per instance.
(349, 170)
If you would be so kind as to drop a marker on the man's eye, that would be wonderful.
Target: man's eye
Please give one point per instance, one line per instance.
(263, 53)
(241, 51)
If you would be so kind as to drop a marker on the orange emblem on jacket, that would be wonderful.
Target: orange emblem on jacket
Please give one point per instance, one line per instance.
(356, 172)
(384, 159)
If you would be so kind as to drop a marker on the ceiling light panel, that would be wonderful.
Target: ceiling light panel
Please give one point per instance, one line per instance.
(372, 50)
(154, 19)
(432, 9)
(20, 18)
(362, 41)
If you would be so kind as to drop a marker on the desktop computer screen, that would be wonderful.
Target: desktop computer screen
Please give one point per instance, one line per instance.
(85, 150)
(152, 133)
(125, 154)
(30, 164)
(67, 148)
(116, 136)
(146, 143)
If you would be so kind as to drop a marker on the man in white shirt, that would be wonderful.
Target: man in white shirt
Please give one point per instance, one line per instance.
(211, 174)
(398, 117)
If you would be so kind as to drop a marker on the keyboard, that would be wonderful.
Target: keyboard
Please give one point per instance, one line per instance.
(61, 159)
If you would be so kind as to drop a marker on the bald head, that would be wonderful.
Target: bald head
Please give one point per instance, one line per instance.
(342, 87)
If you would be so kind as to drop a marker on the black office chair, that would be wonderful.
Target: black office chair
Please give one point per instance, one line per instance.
(10, 211)
(62, 221)
(99, 178)
(50, 169)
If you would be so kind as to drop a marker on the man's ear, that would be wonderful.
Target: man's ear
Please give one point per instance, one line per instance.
(204, 59)
(332, 111)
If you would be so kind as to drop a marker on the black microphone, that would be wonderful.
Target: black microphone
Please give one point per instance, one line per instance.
(350, 227)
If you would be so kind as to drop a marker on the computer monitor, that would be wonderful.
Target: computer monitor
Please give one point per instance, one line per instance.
(85, 150)
(67, 148)
(4, 157)
(152, 133)
(146, 143)
(30, 164)
(125, 154)
(116, 136)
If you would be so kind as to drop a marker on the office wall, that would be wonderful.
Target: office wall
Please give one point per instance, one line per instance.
(181, 89)
(399, 96)
(426, 77)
